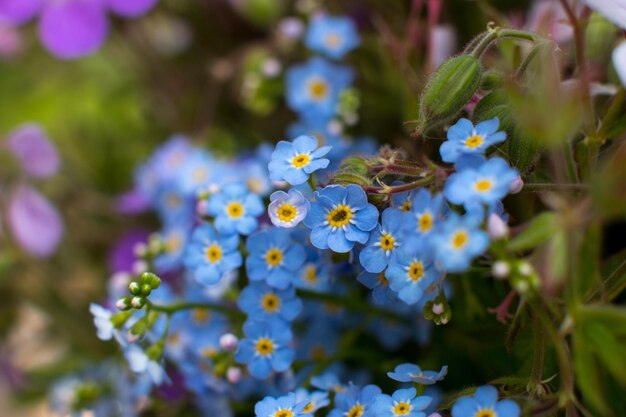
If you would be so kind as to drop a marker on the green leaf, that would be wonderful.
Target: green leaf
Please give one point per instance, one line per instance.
(538, 231)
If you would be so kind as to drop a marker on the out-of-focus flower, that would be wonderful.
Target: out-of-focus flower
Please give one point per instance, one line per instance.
(458, 241)
(547, 16)
(408, 372)
(613, 10)
(485, 402)
(619, 61)
(287, 406)
(442, 44)
(235, 209)
(332, 36)
(403, 402)
(11, 41)
(36, 154)
(34, 222)
(262, 301)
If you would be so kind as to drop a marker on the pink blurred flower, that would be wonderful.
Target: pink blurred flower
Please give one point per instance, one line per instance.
(36, 154)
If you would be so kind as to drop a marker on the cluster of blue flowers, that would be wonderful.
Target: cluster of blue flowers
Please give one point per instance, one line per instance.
(286, 308)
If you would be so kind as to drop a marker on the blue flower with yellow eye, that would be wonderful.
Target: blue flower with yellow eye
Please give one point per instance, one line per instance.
(295, 161)
(235, 209)
(408, 372)
(332, 36)
(287, 209)
(340, 217)
(289, 405)
(458, 241)
(312, 401)
(464, 138)
(486, 184)
(384, 242)
(210, 255)
(197, 173)
(313, 88)
(425, 212)
(174, 238)
(413, 271)
(265, 347)
(262, 301)
(274, 257)
(315, 273)
(484, 403)
(355, 401)
(379, 284)
(402, 403)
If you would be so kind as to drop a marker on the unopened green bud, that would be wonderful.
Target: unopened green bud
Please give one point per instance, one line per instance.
(137, 302)
(491, 80)
(598, 37)
(134, 288)
(155, 352)
(438, 310)
(119, 319)
(146, 289)
(354, 164)
(151, 279)
(139, 327)
(347, 178)
(450, 87)
(123, 303)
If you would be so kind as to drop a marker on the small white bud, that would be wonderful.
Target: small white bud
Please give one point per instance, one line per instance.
(201, 207)
(233, 374)
(139, 267)
(521, 286)
(335, 127)
(133, 287)
(122, 304)
(443, 320)
(435, 415)
(496, 227)
(271, 67)
(525, 268)
(136, 302)
(500, 269)
(140, 249)
(229, 342)
(516, 185)
(291, 27)
(438, 308)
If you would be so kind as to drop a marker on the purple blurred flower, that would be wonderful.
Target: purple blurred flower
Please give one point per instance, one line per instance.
(130, 8)
(11, 41)
(122, 256)
(35, 223)
(33, 149)
(132, 202)
(19, 11)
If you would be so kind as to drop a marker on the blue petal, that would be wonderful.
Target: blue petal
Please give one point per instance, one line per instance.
(337, 242)
(207, 275)
(486, 396)
(247, 225)
(356, 235)
(304, 144)
(260, 367)
(356, 197)
(373, 259)
(488, 126)
(316, 164)
(282, 359)
(279, 278)
(464, 407)
(461, 130)
(366, 219)
(507, 408)
(316, 216)
(295, 176)
(335, 193)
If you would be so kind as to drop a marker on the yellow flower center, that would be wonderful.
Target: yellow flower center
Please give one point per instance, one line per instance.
(339, 216)
(264, 346)
(200, 315)
(483, 185)
(485, 413)
(214, 253)
(459, 239)
(332, 40)
(310, 274)
(382, 279)
(318, 89)
(406, 206)
(387, 242)
(307, 408)
(286, 212)
(355, 411)
(474, 141)
(425, 222)
(283, 413)
(274, 257)
(300, 160)
(270, 302)
(401, 409)
(234, 209)
(416, 270)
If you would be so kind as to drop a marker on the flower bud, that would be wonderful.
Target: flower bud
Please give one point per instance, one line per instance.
(525, 268)
(146, 289)
(229, 342)
(139, 327)
(123, 303)
(500, 269)
(137, 302)
(134, 288)
(139, 266)
(450, 87)
(155, 351)
(516, 185)
(496, 227)
(233, 374)
(151, 279)
(140, 249)
(119, 319)
(438, 308)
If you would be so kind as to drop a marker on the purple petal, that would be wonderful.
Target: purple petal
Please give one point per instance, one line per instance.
(19, 11)
(130, 8)
(132, 202)
(73, 28)
(35, 223)
(35, 152)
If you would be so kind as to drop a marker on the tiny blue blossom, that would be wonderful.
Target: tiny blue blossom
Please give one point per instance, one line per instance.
(328, 381)
(487, 184)
(295, 161)
(210, 255)
(464, 138)
(274, 257)
(425, 212)
(265, 347)
(458, 241)
(485, 402)
(413, 271)
(384, 242)
(354, 401)
(403, 402)
(235, 209)
(287, 209)
(102, 320)
(332, 36)
(288, 406)
(340, 217)
(262, 301)
(312, 401)
(313, 88)
(408, 372)
(315, 273)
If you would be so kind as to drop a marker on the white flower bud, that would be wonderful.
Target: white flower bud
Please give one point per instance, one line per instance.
(500, 269)
(136, 302)
(233, 374)
(201, 207)
(139, 267)
(496, 227)
(140, 249)
(122, 304)
(516, 185)
(229, 342)
(271, 67)
(521, 286)
(438, 308)
(525, 268)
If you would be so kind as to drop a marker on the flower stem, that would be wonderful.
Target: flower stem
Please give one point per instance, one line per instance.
(174, 308)
(386, 189)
